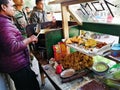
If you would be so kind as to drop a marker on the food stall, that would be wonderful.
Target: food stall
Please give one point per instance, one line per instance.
(84, 57)
(88, 22)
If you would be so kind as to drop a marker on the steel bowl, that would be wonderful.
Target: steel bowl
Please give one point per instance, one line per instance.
(100, 68)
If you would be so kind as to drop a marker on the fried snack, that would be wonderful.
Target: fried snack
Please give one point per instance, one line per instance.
(90, 43)
(81, 41)
(75, 39)
(68, 41)
(101, 44)
(77, 61)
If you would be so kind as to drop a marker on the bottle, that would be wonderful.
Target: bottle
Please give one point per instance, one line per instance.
(115, 50)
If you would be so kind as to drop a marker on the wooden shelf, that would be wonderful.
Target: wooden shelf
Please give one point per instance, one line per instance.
(102, 52)
(69, 2)
(64, 9)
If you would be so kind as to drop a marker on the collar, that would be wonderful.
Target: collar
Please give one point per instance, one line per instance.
(5, 16)
(36, 9)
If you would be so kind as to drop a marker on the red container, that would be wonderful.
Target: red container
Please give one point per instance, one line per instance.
(59, 69)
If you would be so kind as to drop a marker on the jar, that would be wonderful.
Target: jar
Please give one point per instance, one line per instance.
(115, 50)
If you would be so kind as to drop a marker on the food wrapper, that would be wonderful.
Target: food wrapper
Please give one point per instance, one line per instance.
(57, 52)
(63, 49)
(60, 50)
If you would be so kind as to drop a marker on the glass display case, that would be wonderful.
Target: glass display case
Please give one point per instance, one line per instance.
(102, 11)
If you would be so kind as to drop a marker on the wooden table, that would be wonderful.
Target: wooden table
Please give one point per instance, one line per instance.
(56, 80)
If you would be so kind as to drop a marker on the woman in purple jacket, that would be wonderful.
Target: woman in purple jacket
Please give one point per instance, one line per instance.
(14, 56)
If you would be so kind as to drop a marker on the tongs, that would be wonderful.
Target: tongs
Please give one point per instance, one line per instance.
(112, 43)
(38, 34)
(38, 29)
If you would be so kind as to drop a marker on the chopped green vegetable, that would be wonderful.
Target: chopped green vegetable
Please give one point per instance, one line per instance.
(116, 75)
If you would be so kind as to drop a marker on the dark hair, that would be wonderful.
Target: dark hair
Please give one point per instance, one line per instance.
(26, 7)
(38, 1)
(5, 2)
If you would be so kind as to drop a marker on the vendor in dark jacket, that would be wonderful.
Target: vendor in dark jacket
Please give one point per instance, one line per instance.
(14, 56)
(38, 15)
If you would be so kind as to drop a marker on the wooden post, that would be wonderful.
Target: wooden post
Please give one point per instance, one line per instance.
(65, 21)
(65, 26)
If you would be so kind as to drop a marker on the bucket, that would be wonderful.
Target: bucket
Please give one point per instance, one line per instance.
(115, 50)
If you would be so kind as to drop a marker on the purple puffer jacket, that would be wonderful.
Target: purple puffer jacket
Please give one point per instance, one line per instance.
(13, 52)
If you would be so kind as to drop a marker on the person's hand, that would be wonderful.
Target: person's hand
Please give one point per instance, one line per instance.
(33, 38)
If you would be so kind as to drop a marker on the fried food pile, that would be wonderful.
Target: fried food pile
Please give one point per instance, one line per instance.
(86, 42)
(75, 39)
(79, 40)
(77, 61)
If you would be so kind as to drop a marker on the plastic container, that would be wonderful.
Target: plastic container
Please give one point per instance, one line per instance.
(115, 50)
(58, 69)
